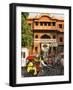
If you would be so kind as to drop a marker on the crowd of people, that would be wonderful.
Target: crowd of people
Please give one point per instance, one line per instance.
(36, 64)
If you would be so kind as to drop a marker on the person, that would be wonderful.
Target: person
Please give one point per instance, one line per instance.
(31, 68)
(57, 58)
(42, 65)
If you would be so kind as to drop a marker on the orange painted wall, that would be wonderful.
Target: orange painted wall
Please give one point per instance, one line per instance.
(46, 19)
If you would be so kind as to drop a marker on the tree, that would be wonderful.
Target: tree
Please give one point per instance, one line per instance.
(25, 31)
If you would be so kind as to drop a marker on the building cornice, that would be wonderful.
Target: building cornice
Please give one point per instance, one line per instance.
(43, 31)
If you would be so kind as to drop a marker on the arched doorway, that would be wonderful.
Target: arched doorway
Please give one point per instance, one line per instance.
(45, 44)
(45, 36)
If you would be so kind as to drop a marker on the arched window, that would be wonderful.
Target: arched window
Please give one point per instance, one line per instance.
(45, 37)
(60, 25)
(36, 23)
(45, 23)
(41, 23)
(53, 23)
(61, 39)
(54, 36)
(36, 49)
(36, 36)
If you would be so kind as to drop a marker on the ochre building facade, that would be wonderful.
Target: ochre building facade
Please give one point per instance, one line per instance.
(48, 34)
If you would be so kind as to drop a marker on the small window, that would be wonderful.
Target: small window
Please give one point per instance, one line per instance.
(54, 23)
(24, 55)
(29, 24)
(49, 23)
(36, 23)
(36, 49)
(45, 23)
(54, 36)
(61, 39)
(60, 25)
(41, 23)
(36, 36)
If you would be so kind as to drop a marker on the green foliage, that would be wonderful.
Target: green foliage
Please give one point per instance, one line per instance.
(26, 31)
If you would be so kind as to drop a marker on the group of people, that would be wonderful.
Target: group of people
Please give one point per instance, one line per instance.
(35, 65)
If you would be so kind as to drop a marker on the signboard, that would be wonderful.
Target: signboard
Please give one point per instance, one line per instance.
(45, 40)
(51, 42)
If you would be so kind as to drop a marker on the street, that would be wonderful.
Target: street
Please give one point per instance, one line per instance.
(54, 70)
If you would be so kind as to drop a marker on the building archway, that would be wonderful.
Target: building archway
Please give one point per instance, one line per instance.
(45, 36)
